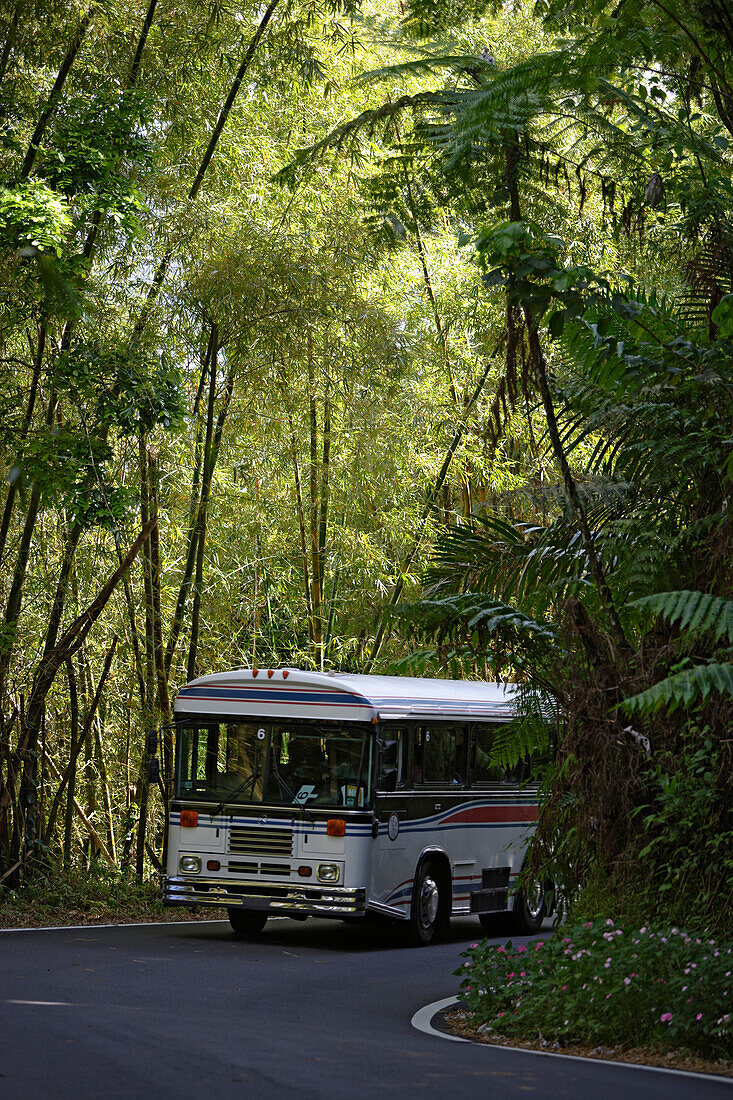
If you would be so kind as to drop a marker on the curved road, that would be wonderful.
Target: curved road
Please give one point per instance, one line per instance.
(314, 1011)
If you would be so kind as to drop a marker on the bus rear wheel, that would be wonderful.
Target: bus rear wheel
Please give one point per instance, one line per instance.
(247, 922)
(529, 909)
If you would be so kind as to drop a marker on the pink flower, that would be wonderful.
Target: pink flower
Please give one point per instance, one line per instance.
(627, 981)
(472, 945)
(521, 948)
(699, 1016)
(666, 1017)
(563, 987)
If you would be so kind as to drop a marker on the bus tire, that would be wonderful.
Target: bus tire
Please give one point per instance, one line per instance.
(247, 922)
(425, 912)
(529, 909)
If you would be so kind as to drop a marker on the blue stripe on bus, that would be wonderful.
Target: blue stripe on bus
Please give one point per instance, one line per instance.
(288, 695)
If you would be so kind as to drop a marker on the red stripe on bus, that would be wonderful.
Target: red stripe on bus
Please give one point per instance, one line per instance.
(493, 813)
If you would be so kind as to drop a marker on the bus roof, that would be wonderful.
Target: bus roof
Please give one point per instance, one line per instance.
(293, 693)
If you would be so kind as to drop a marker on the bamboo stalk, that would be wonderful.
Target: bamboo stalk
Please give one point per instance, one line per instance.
(55, 93)
(87, 823)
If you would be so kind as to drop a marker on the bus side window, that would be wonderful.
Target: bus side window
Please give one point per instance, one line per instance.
(438, 754)
(480, 767)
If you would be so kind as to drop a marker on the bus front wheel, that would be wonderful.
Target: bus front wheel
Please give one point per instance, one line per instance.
(426, 901)
(247, 922)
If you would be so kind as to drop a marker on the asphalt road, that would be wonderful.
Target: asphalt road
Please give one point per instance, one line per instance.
(314, 1010)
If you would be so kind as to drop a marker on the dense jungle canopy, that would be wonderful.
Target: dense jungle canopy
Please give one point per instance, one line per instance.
(392, 337)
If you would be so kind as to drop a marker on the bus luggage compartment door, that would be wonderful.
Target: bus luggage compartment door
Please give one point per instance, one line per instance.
(492, 897)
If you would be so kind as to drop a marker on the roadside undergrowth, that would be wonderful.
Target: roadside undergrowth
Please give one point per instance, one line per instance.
(97, 896)
(598, 983)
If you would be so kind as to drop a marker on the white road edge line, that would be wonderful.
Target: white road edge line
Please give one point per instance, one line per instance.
(422, 1021)
(134, 924)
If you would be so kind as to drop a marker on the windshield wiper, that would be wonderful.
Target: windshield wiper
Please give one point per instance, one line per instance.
(288, 790)
(237, 791)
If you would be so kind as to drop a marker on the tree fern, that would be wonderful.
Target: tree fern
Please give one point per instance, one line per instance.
(684, 688)
(695, 613)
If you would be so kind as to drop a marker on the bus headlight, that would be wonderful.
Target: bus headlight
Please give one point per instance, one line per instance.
(328, 872)
(189, 865)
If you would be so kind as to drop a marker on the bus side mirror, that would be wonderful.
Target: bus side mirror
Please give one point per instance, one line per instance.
(388, 750)
(151, 742)
(387, 780)
(153, 769)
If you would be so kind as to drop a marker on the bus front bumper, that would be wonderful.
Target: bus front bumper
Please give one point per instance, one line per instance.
(282, 897)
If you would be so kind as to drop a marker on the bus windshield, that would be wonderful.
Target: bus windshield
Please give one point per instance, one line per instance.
(255, 761)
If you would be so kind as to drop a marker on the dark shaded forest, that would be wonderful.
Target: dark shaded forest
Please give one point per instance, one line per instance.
(399, 340)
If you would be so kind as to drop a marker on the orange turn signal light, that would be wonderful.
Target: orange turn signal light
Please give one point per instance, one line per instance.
(189, 819)
(213, 865)
(335, 827)
(305, 872)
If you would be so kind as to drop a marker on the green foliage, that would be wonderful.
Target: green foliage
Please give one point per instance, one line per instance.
(689, 837)
(34, 219)
(684, 688)
(605, 983)
(694, 613)
(99, 895)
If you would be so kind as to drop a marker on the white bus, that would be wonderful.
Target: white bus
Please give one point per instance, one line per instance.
(331, 795)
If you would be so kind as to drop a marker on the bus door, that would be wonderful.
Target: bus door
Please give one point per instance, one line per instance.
(390, 861)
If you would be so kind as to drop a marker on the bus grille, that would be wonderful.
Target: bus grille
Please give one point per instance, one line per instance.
(260, 840)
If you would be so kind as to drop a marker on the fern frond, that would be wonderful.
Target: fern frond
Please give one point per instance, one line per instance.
(683, 689)
(694, 612)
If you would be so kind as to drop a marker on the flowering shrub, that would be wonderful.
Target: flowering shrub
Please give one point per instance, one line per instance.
(599, 983)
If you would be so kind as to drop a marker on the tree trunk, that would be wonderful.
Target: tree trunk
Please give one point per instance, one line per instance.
(206, 477)
(74, 740)
(300, 508)
(162, 270)
(67, 645)
(55, 93)
(323, 517)
(15, 596)
(513, 155)
(74, 750)
(27, 420)
(315, 631)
